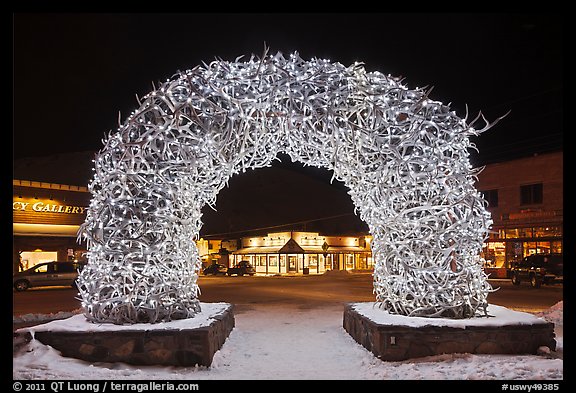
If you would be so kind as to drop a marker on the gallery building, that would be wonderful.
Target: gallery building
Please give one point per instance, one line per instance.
(45, 220)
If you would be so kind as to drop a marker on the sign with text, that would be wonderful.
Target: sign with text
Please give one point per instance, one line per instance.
(47, 207)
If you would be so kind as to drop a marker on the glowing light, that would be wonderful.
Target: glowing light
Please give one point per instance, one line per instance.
(403, 156)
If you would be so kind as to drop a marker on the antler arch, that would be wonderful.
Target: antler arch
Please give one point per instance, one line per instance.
(403, 156)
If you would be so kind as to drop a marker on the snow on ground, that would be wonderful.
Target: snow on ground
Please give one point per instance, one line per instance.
(277, 342)
(497, 316)
(78, 322)
(555, 314)
(28, 318)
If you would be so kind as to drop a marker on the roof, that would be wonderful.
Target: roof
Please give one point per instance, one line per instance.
(305, 250)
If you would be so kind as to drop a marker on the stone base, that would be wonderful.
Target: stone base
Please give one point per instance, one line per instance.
(175, 343)
(415, 338)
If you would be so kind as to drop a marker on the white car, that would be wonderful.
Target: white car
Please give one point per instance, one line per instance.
(48, 274)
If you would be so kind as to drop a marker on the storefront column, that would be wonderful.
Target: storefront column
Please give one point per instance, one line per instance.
(15, 258)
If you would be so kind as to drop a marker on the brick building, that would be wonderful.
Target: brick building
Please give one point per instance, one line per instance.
(525, 198)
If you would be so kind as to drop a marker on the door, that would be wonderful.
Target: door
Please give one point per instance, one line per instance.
(41, 274)
(64, 273)
(292, 261)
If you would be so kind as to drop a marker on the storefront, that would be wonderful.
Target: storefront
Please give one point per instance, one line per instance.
(512, 243)
(45, 221)
(304, 253)
(525, 199)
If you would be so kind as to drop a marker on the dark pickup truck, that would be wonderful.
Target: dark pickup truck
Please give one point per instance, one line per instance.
(241, 269)
(538, 269)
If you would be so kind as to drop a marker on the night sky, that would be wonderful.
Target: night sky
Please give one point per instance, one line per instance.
(74, 73)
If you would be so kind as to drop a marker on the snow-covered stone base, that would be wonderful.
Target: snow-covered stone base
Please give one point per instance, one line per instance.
(185, 342)
(395, 337)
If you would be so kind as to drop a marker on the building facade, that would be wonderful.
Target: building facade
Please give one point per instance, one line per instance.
(45, 221)
(525, 198)
(304, 253)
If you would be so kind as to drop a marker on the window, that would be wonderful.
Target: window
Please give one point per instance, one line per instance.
(495, 254)
(273, 261)
(45, 268)
(312, 260)
(41, 269)
(548, 231)
(531, 194)
(491, 196)
(514, 233)
(556, 247)
(64, 268)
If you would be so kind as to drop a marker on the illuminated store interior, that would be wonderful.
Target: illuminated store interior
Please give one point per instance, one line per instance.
(294, 252)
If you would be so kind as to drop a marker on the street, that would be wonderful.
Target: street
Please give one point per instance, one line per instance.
(305, 292)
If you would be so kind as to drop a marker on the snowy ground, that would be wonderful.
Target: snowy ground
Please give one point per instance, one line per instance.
(273, 342)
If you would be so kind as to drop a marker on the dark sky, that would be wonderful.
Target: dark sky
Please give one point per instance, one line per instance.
(73, 72)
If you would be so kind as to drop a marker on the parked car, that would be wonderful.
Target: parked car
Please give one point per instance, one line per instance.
(53, 273)
(242, 268)
(538, 269)
(215, 269)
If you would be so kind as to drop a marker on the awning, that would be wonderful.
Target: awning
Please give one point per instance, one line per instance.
(258, 250)
(348, 249)
(21, 229)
